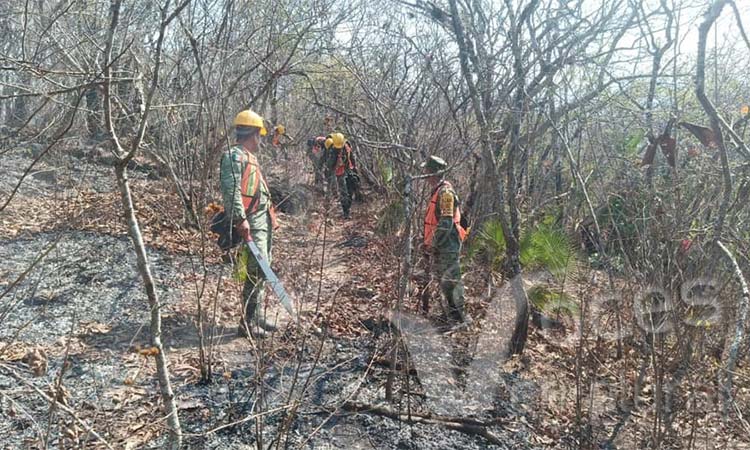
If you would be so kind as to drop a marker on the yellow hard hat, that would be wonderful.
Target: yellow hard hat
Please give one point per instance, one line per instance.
(249, 118)
(338, 140)
(329, 143)
(280, 129)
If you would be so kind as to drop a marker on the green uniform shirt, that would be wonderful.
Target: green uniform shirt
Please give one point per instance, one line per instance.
(234, 162)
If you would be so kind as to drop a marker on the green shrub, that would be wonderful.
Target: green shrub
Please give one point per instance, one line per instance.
(489, 245)
(543, 247)
(549, 248)
(552, 302)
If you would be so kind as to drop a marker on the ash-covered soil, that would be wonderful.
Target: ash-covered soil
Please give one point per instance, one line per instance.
(84, 277)
(83, 303)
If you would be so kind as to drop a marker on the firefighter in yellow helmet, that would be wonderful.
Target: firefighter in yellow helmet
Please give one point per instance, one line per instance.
(279, 140)
(248, 208)
(328, 153)
(341, 165)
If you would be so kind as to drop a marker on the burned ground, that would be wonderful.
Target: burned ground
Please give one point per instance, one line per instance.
(75, 326)
(83, 310)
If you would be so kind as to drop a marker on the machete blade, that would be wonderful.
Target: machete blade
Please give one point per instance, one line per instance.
(278, 288)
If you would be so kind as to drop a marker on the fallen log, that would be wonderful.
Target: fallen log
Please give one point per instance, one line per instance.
(463, 424)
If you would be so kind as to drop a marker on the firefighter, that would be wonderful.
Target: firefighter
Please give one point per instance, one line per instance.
(248, 207)
(443, 236)
(328, 155)
(316, 151)
(279, 141)
(341, 165)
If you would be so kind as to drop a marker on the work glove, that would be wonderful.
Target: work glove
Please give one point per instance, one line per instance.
(274, 220)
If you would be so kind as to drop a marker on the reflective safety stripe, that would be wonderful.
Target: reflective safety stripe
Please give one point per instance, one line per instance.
(431, 220)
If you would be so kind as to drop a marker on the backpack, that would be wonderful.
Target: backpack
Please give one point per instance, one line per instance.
(228, 237)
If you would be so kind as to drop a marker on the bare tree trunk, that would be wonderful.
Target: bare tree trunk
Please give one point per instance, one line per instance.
(19, 109)
(739, 333)
(513, 248)
(162, 365)
(510, 229)
(658, 53)
(93, 114)
(123, 158)
(712, 14)
(403, 288)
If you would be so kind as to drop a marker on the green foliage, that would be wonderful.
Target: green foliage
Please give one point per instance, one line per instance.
(386, 172)
(547, 247)
(543, 247)
(390, 218)
(552, 302)
(489, 245)
(633, 143)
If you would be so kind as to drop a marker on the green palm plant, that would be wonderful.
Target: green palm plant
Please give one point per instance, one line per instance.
(489, 245)
(549, 248)
(552, 302)
(544, 247)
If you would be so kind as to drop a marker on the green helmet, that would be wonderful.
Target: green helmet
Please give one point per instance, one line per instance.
(434, 164)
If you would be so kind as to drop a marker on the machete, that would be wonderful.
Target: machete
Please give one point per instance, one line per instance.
(278, 288)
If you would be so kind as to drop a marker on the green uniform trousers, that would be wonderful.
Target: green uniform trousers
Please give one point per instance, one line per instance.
(345, 195)
(446, 248)
(253, 290)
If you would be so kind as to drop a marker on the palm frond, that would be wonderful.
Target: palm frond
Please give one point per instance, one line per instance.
(552, 302)
(489, 244)
(547, 247)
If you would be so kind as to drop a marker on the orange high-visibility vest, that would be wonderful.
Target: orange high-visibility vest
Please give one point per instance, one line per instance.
(250, 183)
(431, 220)
(251, 192)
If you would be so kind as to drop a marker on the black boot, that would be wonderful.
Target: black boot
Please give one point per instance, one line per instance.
(254, 329)
(266, 324)
(250, 321)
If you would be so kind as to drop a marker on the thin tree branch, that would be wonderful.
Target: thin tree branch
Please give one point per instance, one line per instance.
(12, 372)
